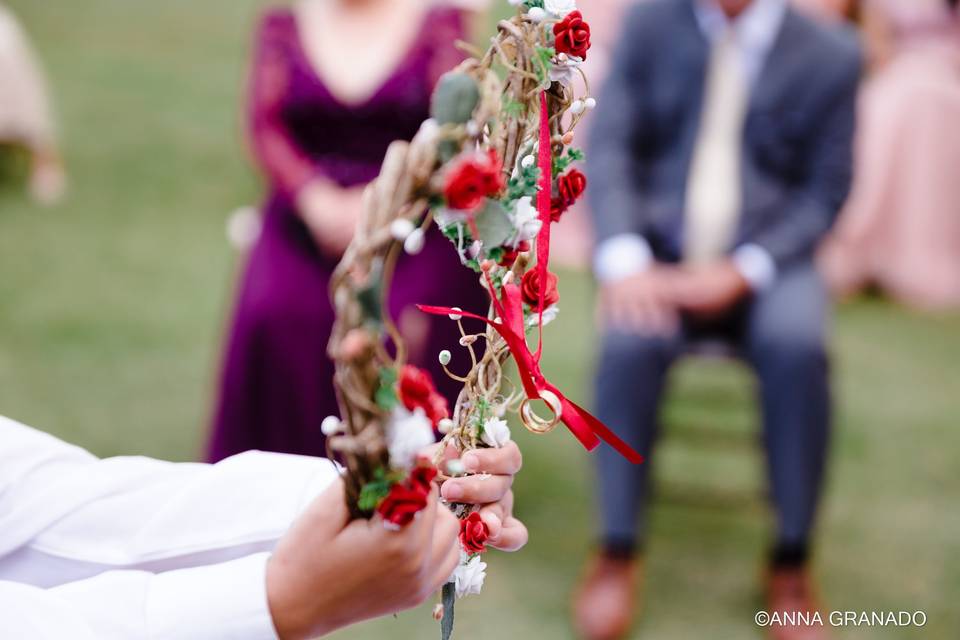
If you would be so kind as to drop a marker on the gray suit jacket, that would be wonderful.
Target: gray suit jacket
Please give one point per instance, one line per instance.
(796, 164)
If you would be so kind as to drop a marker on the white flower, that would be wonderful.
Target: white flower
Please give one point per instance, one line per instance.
(468, 577)
(407, 435)
(562, 70)
(560, 8)
(526, 221)
(536, 14)
(549, 315)
(496, 433)
(515, 3)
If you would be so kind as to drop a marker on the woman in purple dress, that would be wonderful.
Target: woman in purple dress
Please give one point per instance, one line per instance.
(334, 82)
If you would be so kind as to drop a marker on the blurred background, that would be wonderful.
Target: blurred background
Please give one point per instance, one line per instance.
(116, 283)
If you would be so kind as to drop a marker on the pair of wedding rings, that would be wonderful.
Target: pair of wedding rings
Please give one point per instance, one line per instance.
(538, 424)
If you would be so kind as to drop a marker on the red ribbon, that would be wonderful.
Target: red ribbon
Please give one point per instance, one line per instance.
(509, 309)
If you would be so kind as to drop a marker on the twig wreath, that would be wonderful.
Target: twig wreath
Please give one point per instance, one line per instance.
(492, 168)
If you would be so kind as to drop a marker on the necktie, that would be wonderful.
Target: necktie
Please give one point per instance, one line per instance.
(713, 186)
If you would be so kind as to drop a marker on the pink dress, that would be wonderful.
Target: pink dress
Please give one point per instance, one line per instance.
(900, 230)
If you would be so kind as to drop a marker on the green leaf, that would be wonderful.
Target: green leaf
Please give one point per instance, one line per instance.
(493, 224)
(386, 394)
(371, 494)
(455, 98)
(377, 489)
(370, 296)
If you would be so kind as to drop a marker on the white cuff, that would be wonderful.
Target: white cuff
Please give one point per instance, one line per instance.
(225, 601)
(621, 256)
(756, 265)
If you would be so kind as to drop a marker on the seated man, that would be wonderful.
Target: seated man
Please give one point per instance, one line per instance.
(256, 547)
(720, 156)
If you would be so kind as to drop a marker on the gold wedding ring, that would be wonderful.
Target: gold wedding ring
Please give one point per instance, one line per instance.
(535, 423)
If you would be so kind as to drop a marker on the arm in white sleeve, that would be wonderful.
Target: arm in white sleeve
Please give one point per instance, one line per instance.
(621, 256)
(756, 265)
(78, 526)
(222, 601)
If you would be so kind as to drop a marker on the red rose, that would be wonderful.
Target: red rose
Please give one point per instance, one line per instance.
(530, 289)
(416, 390)
(571, 186)
(510, 255)
(473, 179)
(572, 35)
(474, 533)
(557, 208)
(421, 478)
(402, 504)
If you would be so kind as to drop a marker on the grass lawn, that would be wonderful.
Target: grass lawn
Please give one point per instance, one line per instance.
(112, 306)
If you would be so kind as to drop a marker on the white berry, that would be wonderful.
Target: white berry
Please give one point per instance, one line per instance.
(414, 242)
(401, 228)
(330, 425)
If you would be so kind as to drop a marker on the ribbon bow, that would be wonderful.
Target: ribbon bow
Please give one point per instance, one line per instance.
(509, 308)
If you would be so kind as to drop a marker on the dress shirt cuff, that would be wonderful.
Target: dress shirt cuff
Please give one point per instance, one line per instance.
(621, 256)
(756, 265)
(227, 600)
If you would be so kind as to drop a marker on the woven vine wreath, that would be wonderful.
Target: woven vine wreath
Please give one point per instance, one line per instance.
(492, 168)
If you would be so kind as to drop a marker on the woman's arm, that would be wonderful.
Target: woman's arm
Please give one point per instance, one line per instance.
(275, 149)
(328, 210)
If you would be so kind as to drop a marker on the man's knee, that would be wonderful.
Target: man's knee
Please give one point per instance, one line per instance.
(790, 348)
(624, 351)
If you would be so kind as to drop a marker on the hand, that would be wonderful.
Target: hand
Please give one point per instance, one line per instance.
(711, 290)
(331, 213)
(328, 572)
(642, 303)
(494, 470)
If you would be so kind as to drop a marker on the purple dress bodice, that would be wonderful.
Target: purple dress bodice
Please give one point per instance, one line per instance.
(300, 129)
(276, 383)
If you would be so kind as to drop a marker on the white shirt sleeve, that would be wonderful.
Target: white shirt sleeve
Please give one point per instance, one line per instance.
(756, 265)
(627, 254)
(139, 548)
(621, 256)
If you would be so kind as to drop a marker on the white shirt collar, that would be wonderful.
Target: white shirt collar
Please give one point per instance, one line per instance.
(755, 30)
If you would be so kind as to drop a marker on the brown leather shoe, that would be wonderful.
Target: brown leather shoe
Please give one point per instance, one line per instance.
(604, 603)
(792, 602)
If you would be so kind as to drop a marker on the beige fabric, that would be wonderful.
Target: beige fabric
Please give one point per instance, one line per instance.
(713, 186)
(25, 116)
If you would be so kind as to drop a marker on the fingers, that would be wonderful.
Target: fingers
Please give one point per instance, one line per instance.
(513, 535)
(445, 554)
(505, 460)
(506, 532)
(427, 518)
(478, 489)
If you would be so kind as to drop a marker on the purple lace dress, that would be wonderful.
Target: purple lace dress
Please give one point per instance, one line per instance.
(276, 385)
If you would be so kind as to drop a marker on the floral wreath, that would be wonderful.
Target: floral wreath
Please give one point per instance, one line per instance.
(492, 168)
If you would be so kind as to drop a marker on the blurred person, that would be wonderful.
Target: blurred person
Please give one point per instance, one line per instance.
(900, 231)
(572, 242)
(256, 547)
(720, 155)
(26, 119)
(334, 83)
(830, 10)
